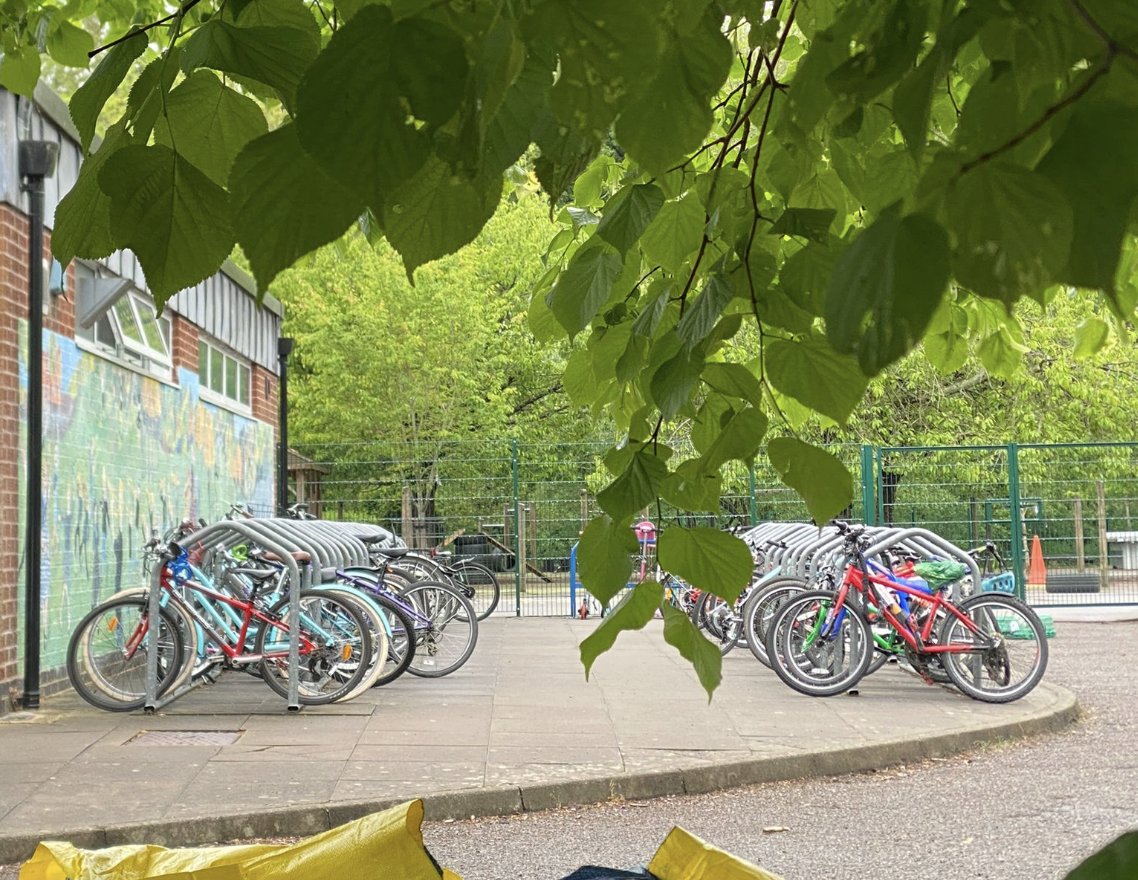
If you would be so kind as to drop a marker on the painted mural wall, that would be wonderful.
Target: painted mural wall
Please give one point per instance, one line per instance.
(124, 455)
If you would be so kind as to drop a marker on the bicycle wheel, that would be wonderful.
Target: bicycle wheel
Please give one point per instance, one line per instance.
(445, 627)
(477, 577)
(1007, 656)
(760, 609)
(816, 652)
(719, 621)
(107, 654)
(377, 628)
(335, 648)
(401, 643)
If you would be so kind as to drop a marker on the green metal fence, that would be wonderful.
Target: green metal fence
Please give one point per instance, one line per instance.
(1064, 516)
(520, 508)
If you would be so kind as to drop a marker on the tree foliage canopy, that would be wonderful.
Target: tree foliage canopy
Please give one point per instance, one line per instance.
(835, 179)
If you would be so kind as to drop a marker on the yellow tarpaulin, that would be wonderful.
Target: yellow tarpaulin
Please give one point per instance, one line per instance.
(683, 856)
(383, 845)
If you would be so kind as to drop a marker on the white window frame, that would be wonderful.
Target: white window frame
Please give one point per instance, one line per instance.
(231, 364)
(139, 353)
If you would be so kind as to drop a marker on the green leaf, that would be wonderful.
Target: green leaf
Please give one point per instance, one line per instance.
(649, 319)
(912, 101)
(691, 71)
(148, 95)
(584, 286)
(69, 44)
(713, 414)
(946, 343)
(706, 558)
(806, 274)
(603, 49)
(174, 218)
(811, 223)
(88, 101)
(1013, 231)
(604, 557)
(816, 475)
(895, 273)
(587, 187)
(83, 216)
(355, 104)
(279, 13)
(681, 634)
(509, 131)
(276, 56)
(674, 381)
(209, 124)
(692, 486)
(1092, 163)
(1091, 337)
(739, 439)
(1118, 860)
(578, 378)
(638, 606)
(629, 213)
(811, 372)
(734, 380)
(284, 205)
(1000, 353)
(634, 489)
(20, 70)
(701, 314)
(435, 212)
(675, 233)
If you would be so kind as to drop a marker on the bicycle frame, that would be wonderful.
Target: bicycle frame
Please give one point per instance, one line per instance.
(248, 610)
(856, 578)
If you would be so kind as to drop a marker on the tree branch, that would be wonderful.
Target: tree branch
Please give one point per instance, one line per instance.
(181, 11)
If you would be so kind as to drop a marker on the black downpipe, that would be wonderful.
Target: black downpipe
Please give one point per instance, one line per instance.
(36, 161)
(284, 349)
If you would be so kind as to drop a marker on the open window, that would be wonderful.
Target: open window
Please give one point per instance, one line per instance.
(120, 321)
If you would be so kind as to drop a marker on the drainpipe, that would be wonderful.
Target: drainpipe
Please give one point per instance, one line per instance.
(36, 162)
(284, 349)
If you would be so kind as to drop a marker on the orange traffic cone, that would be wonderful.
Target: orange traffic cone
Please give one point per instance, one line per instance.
(1036, 572)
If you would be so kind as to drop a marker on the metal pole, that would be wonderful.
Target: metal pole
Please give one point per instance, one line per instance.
(1017, 519)
(284, 349)
(868, 483)
(517, 528)
(36, 161)
(752, 506)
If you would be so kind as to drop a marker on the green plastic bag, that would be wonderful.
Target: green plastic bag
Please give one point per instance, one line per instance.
(940, 574)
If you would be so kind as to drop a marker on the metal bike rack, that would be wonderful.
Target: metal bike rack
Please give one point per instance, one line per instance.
(207, 537)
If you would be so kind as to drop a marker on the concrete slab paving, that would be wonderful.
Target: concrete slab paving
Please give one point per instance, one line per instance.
(518, 728)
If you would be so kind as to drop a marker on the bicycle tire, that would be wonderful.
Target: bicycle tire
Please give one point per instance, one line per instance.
(487, 590)
(319, 683)
(760, 607)
(401, 647)
(90, 678)
(996, 662)
(377, 627)
(714, 617)
(443, 608)
(799, 665)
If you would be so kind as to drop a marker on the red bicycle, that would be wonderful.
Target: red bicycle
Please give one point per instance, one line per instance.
(992, 646)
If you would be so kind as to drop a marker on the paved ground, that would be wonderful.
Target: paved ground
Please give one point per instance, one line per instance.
(1025, 810)
(518, 728)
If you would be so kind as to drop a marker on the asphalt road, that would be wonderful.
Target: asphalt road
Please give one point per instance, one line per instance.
(1029, 810)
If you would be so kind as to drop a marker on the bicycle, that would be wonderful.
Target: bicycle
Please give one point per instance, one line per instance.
(820, 642)
(334, 649)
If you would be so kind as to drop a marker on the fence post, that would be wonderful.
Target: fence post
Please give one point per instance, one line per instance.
(1016, 519)
(517, 528)
(868, 485)
(752, 506)
(1080, 551)
(1103, 549)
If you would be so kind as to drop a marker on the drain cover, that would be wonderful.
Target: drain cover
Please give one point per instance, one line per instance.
(185, 737)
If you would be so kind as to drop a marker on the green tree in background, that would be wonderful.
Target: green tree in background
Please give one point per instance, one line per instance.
(833, 180)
